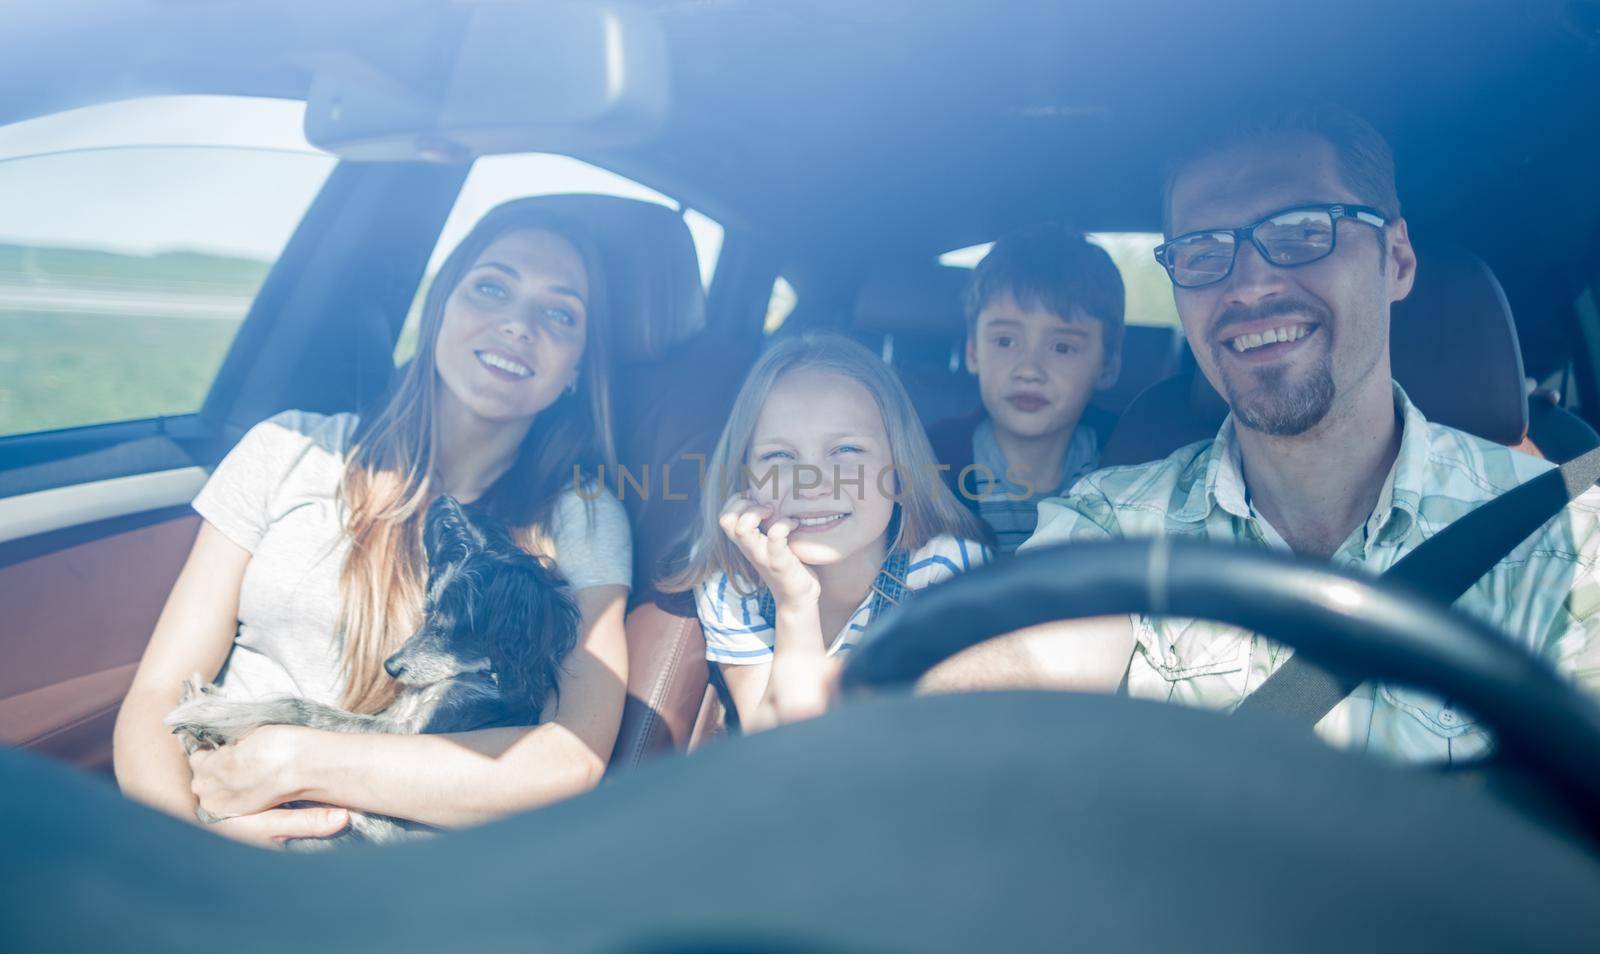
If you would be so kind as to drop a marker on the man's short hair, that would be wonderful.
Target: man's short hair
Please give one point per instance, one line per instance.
(1051, 267)
(1365, 161)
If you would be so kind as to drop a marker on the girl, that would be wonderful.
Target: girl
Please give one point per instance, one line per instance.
(837, 512)
(308, 568)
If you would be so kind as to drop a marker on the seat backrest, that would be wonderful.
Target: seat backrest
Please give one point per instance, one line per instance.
(1452, 345)
(912, 316)
(1149, 354)
(653, 291)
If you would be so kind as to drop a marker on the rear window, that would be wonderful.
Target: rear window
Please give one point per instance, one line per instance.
(1149, 290)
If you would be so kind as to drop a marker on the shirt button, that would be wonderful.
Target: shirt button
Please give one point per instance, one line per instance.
(1447, 717)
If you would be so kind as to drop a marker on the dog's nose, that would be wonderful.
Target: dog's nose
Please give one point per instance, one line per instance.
(394, 667)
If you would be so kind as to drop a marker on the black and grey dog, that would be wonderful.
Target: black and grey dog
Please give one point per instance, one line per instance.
(497, 625)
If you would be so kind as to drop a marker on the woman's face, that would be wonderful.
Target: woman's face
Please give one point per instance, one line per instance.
(514, 327)
(820, 457)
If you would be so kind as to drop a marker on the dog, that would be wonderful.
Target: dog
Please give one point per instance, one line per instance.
(498, 623)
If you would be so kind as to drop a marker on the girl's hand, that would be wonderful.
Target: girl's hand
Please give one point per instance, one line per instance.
(269, 829)
(792, 583)
(248, 777)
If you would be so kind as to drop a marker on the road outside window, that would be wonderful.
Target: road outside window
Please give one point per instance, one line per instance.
(135, 238)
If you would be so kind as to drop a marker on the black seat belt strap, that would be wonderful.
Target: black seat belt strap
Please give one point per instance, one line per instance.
(1444, 566)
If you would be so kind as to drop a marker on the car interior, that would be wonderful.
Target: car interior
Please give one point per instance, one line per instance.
(858, 234)
(842, 148)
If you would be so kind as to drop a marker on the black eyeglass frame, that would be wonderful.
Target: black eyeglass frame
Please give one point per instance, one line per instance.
(1337, 210)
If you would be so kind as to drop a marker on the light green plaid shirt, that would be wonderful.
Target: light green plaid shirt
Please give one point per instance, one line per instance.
(1544, 594)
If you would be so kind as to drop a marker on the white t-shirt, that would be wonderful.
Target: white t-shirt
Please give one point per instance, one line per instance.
(737, 634)
(276, 494)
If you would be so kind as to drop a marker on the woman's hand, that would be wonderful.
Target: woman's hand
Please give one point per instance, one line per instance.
(250, 776)
(271, 828)
(793, 584)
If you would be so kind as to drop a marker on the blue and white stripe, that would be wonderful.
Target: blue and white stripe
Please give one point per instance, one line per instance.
(737, 634)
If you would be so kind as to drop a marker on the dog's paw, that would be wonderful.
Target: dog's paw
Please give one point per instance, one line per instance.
(212, 720)
(215, 720)
(186, 719)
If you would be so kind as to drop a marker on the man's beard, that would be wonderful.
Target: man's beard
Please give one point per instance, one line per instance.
(1282, 404)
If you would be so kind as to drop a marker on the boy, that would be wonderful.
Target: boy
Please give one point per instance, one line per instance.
(1044, 331)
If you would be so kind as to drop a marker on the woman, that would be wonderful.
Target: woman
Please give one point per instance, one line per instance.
(307, 571)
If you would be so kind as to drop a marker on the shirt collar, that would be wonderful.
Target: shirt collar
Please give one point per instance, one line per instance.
(1081, 457)
(1401, 497)
(1222, 484)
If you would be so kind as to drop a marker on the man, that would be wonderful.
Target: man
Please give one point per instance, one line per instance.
(1044, 331)
(1286, 250)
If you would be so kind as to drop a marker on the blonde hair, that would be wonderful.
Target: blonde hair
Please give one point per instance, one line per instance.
(388, 478)
(925, 509)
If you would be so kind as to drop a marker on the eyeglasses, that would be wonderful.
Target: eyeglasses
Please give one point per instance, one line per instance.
(1287, 239)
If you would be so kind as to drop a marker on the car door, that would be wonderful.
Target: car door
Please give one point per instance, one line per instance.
(172, 269)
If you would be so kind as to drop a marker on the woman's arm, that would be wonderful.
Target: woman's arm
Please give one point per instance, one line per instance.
(447, 780)
(193, 635)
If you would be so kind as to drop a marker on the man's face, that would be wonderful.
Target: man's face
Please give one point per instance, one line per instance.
(1036, 370)
(1330, 319)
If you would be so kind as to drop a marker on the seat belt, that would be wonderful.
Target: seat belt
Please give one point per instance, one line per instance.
(1444, 566)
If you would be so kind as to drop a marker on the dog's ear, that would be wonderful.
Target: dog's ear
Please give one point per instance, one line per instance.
(447, 533)
(535, 628)
(494, 535)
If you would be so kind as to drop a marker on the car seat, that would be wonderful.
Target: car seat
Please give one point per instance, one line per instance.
(912, 316)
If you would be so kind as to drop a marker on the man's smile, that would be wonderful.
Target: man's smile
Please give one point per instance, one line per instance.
(1263, 345)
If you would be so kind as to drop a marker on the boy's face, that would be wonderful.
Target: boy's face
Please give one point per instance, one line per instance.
(1036, 369)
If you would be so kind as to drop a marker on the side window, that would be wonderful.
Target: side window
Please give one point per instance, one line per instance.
(780, 305)
(1149, 302)
(497, 179)
(135, 237)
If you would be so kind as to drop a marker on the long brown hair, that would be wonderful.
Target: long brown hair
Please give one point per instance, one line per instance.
(388, 479)
(926, 508)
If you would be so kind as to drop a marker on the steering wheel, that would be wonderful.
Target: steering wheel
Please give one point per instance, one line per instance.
(1354, 625)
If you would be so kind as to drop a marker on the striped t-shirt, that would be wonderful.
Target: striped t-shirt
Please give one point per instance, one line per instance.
(738, 634)
(1012, 510)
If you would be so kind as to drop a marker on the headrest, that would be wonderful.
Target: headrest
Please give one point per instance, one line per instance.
(922, 300)
(652, 271)
(1452, 346)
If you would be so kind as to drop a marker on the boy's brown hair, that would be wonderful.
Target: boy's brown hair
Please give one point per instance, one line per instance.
(1054, 268)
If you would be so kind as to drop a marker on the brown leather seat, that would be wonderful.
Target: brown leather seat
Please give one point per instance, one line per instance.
(1453, 347)
(671, 390)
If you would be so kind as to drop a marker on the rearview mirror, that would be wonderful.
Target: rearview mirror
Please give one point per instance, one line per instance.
(485, 78)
